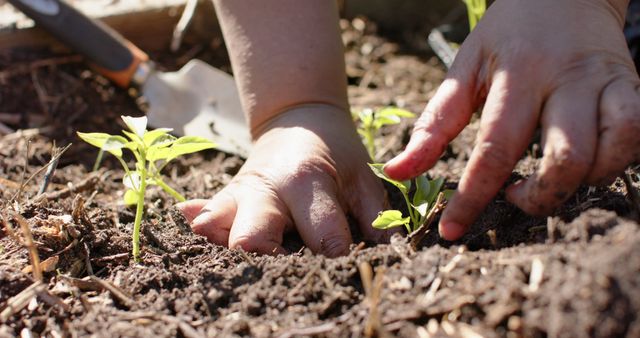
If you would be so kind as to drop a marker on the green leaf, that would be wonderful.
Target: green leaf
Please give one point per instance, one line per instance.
(404, 186)
(188, 145)
(160, 149)
(394, 111)
(422, 209)
(448, 193)
(156, 136)
(366, 117)
(385, 120)
(106, 142)
(158, 153)
(435, 186)
(138, 125)
(390, 219)
(132, 180)
(355, 115)
(422, 190)
(130, 197)
(390, 115)
(133, 137)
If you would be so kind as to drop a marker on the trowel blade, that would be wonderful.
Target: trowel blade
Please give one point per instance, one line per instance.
(199, 100)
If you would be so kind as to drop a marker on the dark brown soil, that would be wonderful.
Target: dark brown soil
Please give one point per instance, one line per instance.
(574, 274)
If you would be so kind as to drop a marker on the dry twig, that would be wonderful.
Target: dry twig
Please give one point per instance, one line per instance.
(632, 192)
(372, 288)
(18, 302)
(25, 182)
(115, 291)
(417, 236)
(86, 184)
(29, 67)
(87, 259)
(28, 242)
(52, 165)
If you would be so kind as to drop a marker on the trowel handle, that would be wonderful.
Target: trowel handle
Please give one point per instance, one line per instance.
(114, 57)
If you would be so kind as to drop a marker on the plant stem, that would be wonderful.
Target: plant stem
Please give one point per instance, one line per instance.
(369, 141)
(96, 165)
(170, 190)
(411, 214)
(475, 10)
(139, 212)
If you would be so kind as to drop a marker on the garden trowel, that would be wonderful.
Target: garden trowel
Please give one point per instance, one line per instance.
(197, 100)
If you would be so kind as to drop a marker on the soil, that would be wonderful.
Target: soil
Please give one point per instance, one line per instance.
(576, 273)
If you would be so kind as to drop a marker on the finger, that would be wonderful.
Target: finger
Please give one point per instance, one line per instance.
(569, 136)
(446, 114)
(316, 211)
(191, 208)
(508, 121)
(259, 224)
(619, 129)
(367, 200)
(215, 218)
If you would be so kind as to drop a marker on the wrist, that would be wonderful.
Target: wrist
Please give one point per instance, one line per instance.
(321, 119)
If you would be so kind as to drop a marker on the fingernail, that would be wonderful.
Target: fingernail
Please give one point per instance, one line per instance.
(451, 230)
(394, 171)
(514, 191)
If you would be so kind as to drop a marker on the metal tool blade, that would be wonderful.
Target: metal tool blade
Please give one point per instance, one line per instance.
(199, 100)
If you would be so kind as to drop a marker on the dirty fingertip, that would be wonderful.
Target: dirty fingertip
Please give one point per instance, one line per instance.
(515, 192)
(191, 209)
(451, 231)
(400, 167)
(200, 222)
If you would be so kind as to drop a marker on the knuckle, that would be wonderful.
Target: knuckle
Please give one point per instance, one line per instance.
(568, 161)
(496, 155)
(517, 52)
(310, 171)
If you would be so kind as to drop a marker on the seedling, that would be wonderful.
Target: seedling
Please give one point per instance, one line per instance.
(370, 121)
(419, 205)
(152, 150)
(475, 9)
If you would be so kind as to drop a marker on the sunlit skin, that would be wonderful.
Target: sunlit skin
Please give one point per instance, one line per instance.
(562, 66)
(559, 65)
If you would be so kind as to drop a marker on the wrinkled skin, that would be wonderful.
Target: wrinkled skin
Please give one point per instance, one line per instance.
(306, 171)
(559, 65)
(562, 66)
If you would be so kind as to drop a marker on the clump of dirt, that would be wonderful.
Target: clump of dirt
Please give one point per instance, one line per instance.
(573, 274)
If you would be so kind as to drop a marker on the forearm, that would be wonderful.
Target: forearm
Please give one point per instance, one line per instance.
(284, 53)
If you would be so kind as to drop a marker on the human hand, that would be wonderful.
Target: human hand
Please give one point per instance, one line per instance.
(563, 65)
(305, 172)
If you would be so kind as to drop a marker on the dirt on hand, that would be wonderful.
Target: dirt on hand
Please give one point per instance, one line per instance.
(574, 274)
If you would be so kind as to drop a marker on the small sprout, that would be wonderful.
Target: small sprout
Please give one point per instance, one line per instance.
(423, 199)
(370, 121)
(475, 10)
(153, 150)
